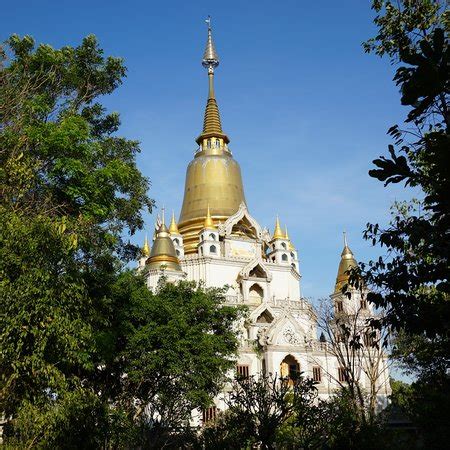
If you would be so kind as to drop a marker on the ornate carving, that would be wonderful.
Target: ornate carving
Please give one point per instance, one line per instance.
(291, 337)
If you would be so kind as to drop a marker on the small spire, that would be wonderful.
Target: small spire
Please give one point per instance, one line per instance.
(346, 251)
(286, 236)
(146, 247)
(209, 223)
(163, 217)
(173, 228)
(277, 233)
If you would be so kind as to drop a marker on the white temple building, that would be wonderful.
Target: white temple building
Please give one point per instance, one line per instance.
(217, 241)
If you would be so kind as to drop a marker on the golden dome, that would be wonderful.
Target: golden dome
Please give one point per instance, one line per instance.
(163, 255)
(277, 233)
(146, 247)
(213, 177)
(347, 261)
(173, 227)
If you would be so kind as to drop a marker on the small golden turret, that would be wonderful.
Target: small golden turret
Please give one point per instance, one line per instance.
(173, 228)
(286, 236)
(163, 255)
(277, 233)
(209, 223)
(348, 261)
(146, 248)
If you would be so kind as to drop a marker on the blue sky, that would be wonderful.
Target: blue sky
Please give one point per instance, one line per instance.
(305, 108)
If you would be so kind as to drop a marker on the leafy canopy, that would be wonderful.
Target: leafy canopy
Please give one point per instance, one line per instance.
(69, 190)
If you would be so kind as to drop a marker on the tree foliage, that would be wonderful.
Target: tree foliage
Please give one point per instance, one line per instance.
(69, 190)
(89, 356)
(176, 346)
(412, 280)
(269, 412)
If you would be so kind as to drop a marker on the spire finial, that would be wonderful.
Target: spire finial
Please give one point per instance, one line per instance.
(146, 247)
(210, 59)
(345, 238)
(212, 127)
(163, 216)
(173, 228)
(277, 233)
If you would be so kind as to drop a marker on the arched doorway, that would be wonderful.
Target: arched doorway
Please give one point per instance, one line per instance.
(256, 294)
(289, 369)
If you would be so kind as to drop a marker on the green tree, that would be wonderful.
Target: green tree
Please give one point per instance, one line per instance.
(270, 413)
(175, 347)
(258, 408)
(412, 281)
(69, 191)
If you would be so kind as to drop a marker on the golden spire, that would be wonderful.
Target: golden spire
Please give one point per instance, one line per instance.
(212, 126)
(347, 261)
(209, 223)
(163, 255)
(213, 177)
(173, 228)
(286, 236)
(146, 248)
(277, 233)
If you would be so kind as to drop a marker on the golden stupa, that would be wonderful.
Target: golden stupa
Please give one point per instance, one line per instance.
(348, 261)
(163, 255)
(213, 177)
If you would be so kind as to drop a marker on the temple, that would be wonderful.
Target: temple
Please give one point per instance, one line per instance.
(216, 240)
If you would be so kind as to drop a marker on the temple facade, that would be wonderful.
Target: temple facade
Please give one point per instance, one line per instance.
(217, 241)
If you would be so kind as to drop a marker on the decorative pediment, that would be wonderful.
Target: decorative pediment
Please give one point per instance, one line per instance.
(255, 269)
(286, 330)
(241, 223)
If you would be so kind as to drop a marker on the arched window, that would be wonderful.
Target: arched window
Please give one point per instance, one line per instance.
(212, 249)
(293, 266)
(256, 293)
(283, 245)
(177, 252)
(176, 241)
(292, 255)
(217, 143)
(284, 257)
(209, 143)
(212, 236)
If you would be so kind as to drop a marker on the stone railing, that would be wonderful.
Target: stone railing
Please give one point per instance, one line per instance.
(293, 304)
(318, 346)
(233, 300)
(300, 304)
